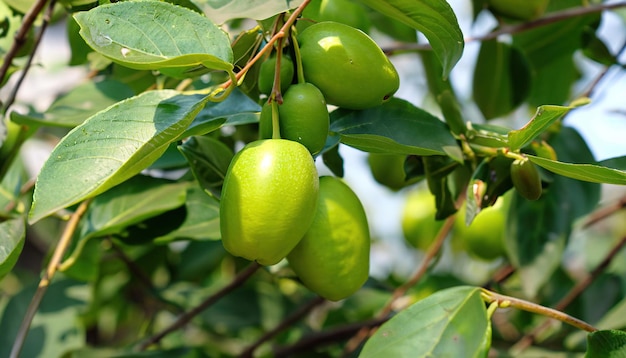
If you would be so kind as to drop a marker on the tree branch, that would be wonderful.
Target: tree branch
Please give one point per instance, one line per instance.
(529, 338)
(44, 283)
(324, 337)
(20, 40)
(279, 35)
(432, 251)
(517, 28)
(187, 316)
(293, 318)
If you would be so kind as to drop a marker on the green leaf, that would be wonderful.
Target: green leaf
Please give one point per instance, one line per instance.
(236, 109)
(550, 49)
(542, 120)
(333, 159)
(111, 147)
(536, 250)
(606, 344)
(585, 172)
(434, 18)
(501, 79)
(222, 10)
(12, 234)
(615, 163)
(130, 203)
(202, 221)
(54, 329)
(209, 160)
(450, 323)
(394, 127)
(154, 35)
(79, 104)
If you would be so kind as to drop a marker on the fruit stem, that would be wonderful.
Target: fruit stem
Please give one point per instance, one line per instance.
(275, 121)
(296, 50)
(280, 34)
(508, 301)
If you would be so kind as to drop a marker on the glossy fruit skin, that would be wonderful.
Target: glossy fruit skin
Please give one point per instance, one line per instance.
(484, 238)
(270, 192)
(347, 66)
(526, 179)
(332, 259)
(418, 219)
(267, 70)
(521, 10)
(303, 117)
(343, 11)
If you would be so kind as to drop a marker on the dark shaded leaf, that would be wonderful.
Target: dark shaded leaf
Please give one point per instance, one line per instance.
(394, 127)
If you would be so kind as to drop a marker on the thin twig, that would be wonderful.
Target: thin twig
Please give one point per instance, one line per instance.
(44, 283)
(307, 343)
(431, 253)
(589, 92)
(529, 338)
(280, 34)
(517, 28)
(604, 212)
(291, 319)
(188, 316)
(508, 301)
(20, 40)
(143, 278)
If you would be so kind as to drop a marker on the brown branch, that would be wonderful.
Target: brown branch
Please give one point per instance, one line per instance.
(20, 40)
(291, 319)
(432, 251)
(188, 316)
(604, 212)
(142, 277)
(515, 29)
(529, 338)
(307, 343)
(279, 35)
(44, 283)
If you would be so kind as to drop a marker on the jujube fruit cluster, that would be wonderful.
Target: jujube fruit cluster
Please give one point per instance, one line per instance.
(274, 205)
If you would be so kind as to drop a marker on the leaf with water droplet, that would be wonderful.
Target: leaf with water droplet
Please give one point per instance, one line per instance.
(151, 35)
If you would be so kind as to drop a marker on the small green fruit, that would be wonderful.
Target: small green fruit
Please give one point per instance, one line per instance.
(332, 259)
(418, 219)
(484, 238)
(347, 66)
(267, 71)
(526, 179)
(270, 192)
(303, 117)
(343, 11)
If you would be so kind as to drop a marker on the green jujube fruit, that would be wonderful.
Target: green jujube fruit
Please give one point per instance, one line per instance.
(267, 71)
(343, 11)
(484, 238)
(303, 117)
(269, 195)
(526, 179)
(332, 259)
(347, 66)
(419, 226)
